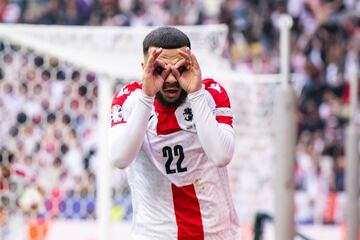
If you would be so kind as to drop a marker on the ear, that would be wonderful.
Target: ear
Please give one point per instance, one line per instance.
(145, 60)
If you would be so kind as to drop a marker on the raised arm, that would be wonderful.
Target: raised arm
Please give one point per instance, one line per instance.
(214, 128)
(127, 135)
(131, 112)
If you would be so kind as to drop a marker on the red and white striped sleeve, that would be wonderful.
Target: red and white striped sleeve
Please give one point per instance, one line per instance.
(222, 111)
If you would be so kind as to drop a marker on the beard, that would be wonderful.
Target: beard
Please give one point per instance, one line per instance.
(173, 104)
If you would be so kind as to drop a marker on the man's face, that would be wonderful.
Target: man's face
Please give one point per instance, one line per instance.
(171, 92)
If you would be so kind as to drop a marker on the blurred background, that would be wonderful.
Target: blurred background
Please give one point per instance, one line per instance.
(48, 111)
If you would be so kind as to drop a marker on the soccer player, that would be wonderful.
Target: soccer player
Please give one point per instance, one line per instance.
(173, 132)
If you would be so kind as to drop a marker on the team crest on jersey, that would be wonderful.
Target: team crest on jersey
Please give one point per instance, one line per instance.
(188, 115)
(116, 114)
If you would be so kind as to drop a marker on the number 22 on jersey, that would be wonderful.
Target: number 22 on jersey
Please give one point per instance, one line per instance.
(170, 153)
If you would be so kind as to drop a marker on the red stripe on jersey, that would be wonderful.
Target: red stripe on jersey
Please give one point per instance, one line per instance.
(187, 212)
(225, 119)
(167, 122)
(218, 93)
(122, 95)
(220, 97)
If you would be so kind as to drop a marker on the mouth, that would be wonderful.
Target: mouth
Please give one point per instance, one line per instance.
(171, 92)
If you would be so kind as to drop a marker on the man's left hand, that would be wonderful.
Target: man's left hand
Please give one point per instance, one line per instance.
(187, 71)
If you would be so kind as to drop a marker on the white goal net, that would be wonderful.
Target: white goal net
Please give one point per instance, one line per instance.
(50, 135)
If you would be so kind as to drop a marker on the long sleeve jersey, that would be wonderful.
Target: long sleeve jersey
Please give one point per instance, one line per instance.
(175, 161)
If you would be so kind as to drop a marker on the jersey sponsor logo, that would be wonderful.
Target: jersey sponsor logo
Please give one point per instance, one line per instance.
(116, 114)
(215, 86)
(188, 115)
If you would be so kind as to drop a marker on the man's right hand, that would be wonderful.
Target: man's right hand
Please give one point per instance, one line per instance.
(154, 73)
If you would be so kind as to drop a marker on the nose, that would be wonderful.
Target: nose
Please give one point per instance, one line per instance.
(170, 78)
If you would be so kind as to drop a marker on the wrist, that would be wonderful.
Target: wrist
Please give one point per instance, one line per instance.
(145, 99)
(196, 94)
(147, 93)
(195, 89)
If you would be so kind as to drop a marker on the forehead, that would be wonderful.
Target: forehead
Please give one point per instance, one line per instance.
(170, 55)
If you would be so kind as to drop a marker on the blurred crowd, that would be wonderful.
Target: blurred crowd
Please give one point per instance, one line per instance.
(48, 142)
(47, 133)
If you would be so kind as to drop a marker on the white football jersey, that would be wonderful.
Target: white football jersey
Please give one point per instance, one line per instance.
(177, 192)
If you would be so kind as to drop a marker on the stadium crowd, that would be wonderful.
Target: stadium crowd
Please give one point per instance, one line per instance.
(325, 42)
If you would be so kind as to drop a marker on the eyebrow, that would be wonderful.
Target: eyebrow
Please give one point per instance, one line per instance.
(178, 59)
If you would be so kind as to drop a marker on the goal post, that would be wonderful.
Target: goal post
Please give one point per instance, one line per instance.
(352, 160)
(65, 78)
(103, 174)
(285, 140)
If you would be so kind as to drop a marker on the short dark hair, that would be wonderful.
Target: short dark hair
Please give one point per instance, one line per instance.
(167, 38)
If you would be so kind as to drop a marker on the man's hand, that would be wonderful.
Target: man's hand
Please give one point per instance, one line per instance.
(187, 71)
(154, 74)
